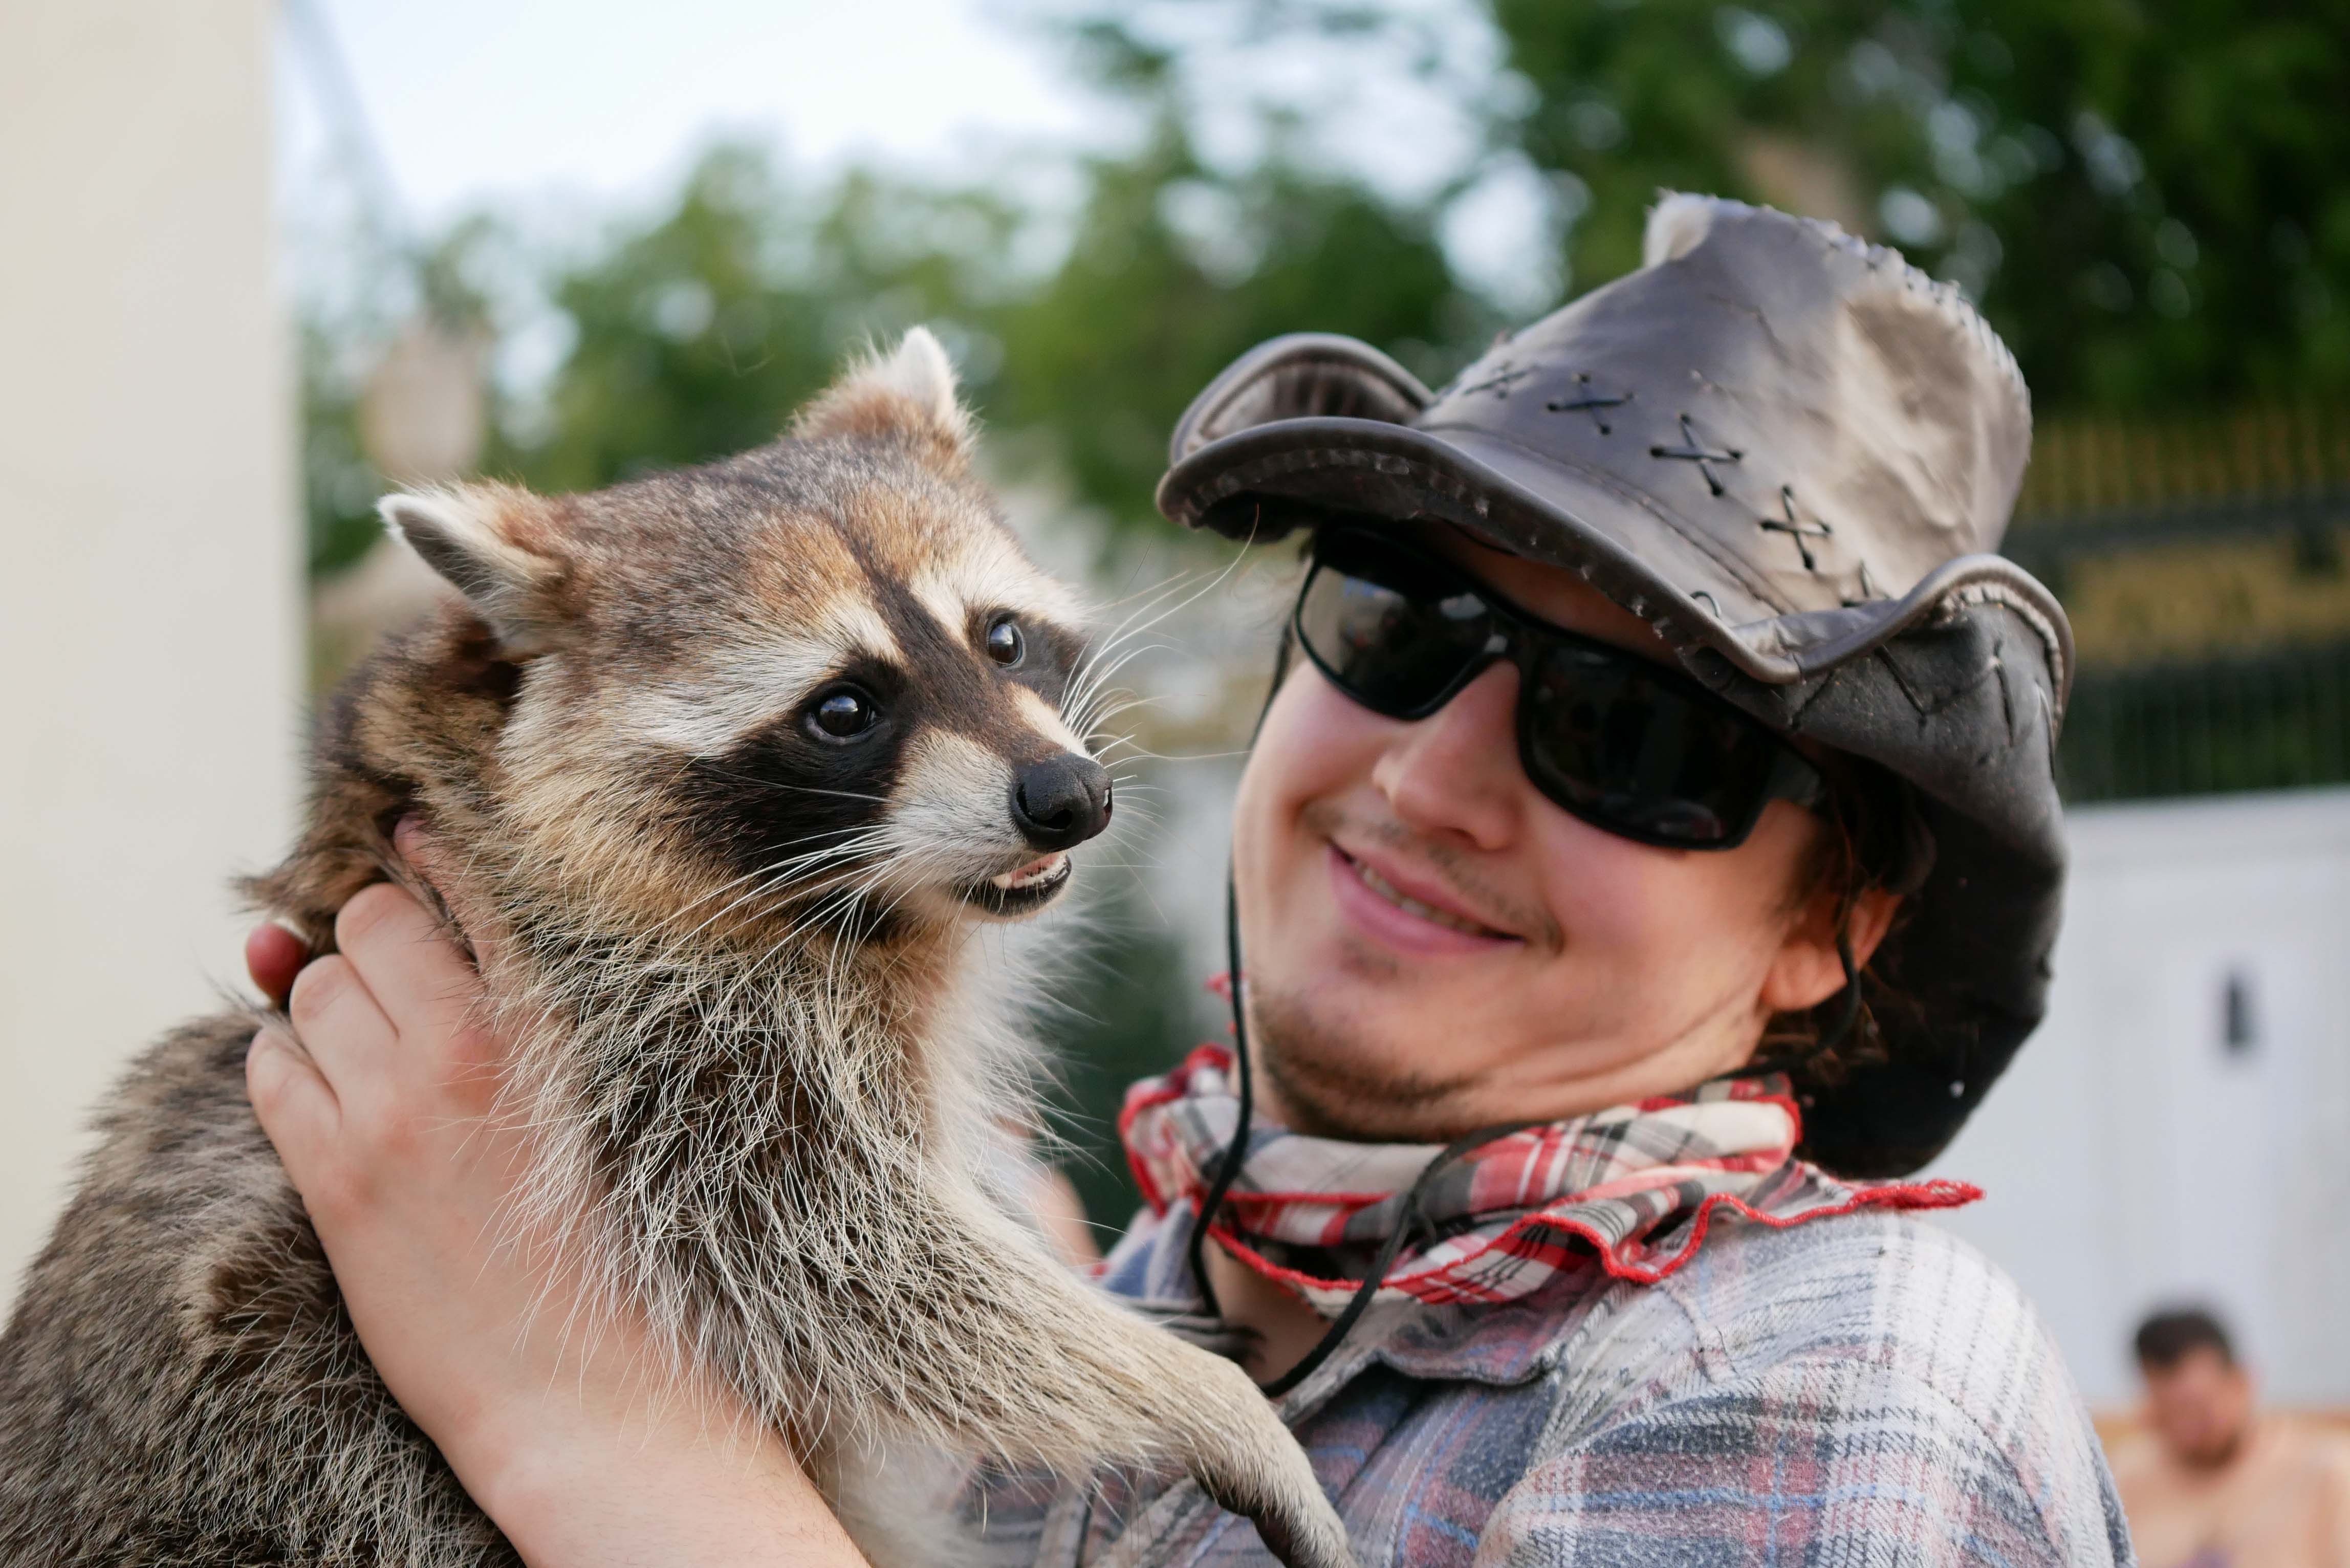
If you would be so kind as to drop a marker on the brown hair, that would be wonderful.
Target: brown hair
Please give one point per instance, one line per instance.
(1872, 836)
(2167, 1338)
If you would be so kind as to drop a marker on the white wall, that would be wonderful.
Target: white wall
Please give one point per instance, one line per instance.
(148, 641)
(2133, 1156)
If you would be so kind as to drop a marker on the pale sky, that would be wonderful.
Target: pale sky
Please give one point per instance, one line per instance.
(474, 99)
(593, 106)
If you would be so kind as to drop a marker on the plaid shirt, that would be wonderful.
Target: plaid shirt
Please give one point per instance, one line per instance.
(1864, 1391)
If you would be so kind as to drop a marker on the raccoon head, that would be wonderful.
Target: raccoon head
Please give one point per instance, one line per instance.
(816, 684)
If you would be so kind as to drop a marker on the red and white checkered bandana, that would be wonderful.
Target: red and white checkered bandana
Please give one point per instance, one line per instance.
(1506, 1216)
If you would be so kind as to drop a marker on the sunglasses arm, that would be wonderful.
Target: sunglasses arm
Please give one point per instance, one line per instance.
(1794, 778)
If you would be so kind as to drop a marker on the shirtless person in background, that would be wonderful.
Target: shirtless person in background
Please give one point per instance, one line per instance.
(2213, 1483)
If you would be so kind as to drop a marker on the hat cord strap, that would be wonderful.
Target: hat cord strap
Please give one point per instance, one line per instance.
(1235, 1155)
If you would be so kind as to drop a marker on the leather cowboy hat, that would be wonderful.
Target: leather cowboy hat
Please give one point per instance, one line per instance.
(1795, 455)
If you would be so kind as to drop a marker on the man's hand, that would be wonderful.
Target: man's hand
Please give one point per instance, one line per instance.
(563, 1429)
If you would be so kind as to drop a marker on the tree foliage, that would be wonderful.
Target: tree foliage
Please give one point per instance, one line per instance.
(2150, 200)
(695, 335)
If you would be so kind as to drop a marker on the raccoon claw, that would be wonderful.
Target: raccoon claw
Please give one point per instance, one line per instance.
(1294, 1541)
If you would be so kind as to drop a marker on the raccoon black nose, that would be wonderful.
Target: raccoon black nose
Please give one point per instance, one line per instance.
(1060, 801)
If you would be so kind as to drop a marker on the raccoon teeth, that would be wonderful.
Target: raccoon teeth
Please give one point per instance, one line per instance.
(1028, 875)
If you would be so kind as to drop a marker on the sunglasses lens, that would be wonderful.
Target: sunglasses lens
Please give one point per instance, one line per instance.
(1615, 744)
(1368, 620)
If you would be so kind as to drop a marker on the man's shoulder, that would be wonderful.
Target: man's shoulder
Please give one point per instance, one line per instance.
(1882, 1279)
(2136, 1460)
(1881, 1305)
(1872, 1297)
(2321, 1445)
(1885, 1366)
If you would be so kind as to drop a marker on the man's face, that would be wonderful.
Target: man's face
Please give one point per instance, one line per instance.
(1433, 946)
(2199, 1406)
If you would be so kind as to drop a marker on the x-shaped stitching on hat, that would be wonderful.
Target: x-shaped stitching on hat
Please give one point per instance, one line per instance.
(1692, 450)
(1587, 402)
(1869, 591)
(1499, 383)
(1797, 529)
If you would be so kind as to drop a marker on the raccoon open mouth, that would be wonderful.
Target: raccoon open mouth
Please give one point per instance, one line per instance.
(1025, 889)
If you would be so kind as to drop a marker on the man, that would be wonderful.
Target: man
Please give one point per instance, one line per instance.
(1658, 813)
(2211, 1483)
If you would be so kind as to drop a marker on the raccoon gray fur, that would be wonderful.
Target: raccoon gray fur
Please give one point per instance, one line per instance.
(737, 756)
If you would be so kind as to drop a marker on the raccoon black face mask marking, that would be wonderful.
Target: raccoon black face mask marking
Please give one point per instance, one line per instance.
(735, 757)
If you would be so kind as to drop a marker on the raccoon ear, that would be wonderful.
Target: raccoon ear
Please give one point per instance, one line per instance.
(489, 542)
(907, 395)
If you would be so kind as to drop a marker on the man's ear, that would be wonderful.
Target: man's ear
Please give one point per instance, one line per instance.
(1807, 970)
(495, 544)
(907, 395)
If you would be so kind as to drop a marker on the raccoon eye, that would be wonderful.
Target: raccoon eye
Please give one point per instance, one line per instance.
(1004, 643)
(843, 714)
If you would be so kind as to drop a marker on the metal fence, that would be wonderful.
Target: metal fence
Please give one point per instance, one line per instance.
(2273, 711)
(2278, 720)
(2085, 468)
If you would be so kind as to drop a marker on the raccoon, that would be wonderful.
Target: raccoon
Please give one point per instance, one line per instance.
(737, 756)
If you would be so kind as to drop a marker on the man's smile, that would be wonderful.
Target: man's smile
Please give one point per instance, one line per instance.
(1402, 910)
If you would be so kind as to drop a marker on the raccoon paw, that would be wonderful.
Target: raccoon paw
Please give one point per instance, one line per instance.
(1299, 1533)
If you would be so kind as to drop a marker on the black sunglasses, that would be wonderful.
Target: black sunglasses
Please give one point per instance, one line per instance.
(1616, 740)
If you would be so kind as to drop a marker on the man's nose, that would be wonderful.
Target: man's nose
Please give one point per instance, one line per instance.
(1061, 801)
(1457, 770)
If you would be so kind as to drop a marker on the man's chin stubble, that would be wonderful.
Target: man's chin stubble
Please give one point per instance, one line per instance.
(1331, 1090)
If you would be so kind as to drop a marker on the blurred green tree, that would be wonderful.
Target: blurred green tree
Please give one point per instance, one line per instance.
(2151, 202)
(695, 336)
(692, 336)
(1174, 273)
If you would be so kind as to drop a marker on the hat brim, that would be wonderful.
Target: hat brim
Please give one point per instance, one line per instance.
(1544, 510)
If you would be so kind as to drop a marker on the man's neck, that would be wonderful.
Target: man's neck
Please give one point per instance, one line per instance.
(1281, 1328)
(2214, 1466)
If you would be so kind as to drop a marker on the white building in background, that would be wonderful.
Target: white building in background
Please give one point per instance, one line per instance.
(2179, 1128)
(150, 710)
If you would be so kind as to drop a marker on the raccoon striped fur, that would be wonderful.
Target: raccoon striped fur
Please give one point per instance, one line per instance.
(736, 757)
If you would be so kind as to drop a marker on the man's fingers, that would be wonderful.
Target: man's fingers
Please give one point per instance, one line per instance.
(292, 1101)
(345, 1035)
(428, 987)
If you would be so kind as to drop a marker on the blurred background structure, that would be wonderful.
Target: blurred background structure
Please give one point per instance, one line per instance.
(150, 712)
(564, 243)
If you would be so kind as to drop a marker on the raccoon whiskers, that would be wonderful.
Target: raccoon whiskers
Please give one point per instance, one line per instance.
(1085, 700)
(791, 876)
(1154, 611)
(1102, 660)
